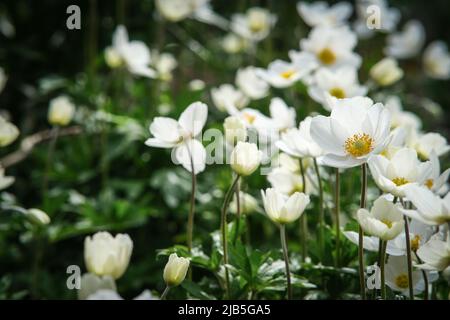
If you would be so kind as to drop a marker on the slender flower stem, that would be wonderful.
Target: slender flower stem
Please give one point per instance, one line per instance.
(286, 259)
(382, 265)
(361, 233)
(238, 212)
(408, 256)
(165, 292)
(425, 278)
(303, 218)
(337, 212)
(190, 226)
(321, 213)
(224, 229)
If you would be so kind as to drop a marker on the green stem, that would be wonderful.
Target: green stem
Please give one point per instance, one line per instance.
(224, 229)
(425, 278)
(286, 260)
(321, 213)
(165, 292)
(361, 233)
(409, 260)
(303, 218)
(238, 213)
(382, 265)
(337, 212)
(190, 226)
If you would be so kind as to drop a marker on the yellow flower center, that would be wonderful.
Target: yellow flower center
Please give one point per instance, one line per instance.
(415, 243)
(399, 181)
(287, 74)
(359, 145)
(249, 118)
(338, 93)
(429, 183)
(402, 281)
(256, 25)
(326, 56)
(387, 222)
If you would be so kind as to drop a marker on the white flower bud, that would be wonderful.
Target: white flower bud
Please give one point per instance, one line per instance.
(175, 270)
(245, 158)
(61, 111)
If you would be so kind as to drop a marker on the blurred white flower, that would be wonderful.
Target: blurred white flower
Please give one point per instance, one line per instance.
(245, 158)
(175, 270)
(397, 276)
(254, 119)
(340, 83)
(320, 13)
(134, 55)
(254, 25)
(385, 220)
(5, 181)
(330, 47)
(431, 209)
(8, 132)
(163, 63)
(427, 143)
(108, 294)
(247, 203)
(182, 136)
(235, 130)
(435, 254)
(408, 42)
(282, 74)
(395, 174)
(436, 60)
(91, 283)
(196, 85)
(298, 142)
(250, 84)
(386, 72)
(106, 255)
(389, 17)
(227, 94)
(233, 43)
(37, 216)
(61, 111)
(283, 116)
(284, 209)
(401, 118)
(436, 181)
(3, 79)
(355, 130)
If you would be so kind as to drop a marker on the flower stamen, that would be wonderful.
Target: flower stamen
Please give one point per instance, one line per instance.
(359, 145)
(326, 56)
(338, 93)
(402, 281)
(399, 181)
(287, 74)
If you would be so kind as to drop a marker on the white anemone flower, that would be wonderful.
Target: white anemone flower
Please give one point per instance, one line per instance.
(385, 220)
(372, 243)
(436, 181)
(356, 129)
(282, 115)
(254, 25)
(419, 234)
(435, 254)
(397, 276)
(5, 181)
(181, 136)
(331, 47)
(251, 84)
(340, 83)
(320, 13)
(395, 174)
(298, 142)
(282, 209)
(427, 143)
(436, 60)
(401, 118)
(431, 209)
(134, 55)
(386, 72)
(227, 94)
(282, 74)
(407, 43)
(163, 63)
(247, 204)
